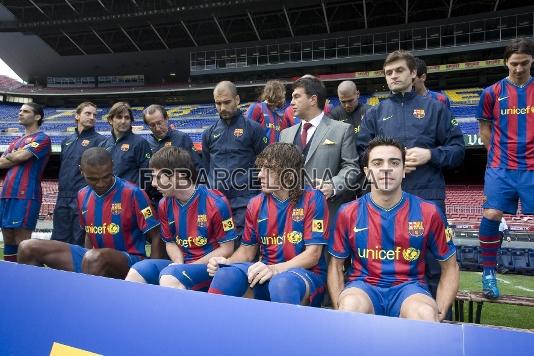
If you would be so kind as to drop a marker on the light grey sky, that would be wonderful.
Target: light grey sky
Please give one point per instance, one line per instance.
(5, 70)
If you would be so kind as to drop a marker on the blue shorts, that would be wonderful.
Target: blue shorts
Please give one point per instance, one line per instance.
(192, 276)
(78, 252)
(503, 188)
(316, 283)
(150, 269)
(19, 213)
(388, 301)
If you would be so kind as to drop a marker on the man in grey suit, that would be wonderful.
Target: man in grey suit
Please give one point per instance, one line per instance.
(331, 160)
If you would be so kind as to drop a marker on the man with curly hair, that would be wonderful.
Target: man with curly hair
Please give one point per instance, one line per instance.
(288, 223)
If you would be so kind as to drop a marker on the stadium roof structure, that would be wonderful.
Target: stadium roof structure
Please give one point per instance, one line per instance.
(40, 38)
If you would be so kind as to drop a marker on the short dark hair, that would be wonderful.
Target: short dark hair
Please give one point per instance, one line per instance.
(176, 160)
(382, 141)
(119, 107)
(420, 66)
(398, 55)
(96, 156)
(312, 86)
(152, 109)
(519, 46)
(37, 110)
(83, 105)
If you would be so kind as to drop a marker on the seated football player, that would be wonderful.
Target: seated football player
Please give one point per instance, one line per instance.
(117, 219)
(385, 234)
(196, 225)
(287, 223)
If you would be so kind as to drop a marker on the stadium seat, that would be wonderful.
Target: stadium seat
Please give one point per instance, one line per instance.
(520, 260)
(470, 258)
(505, 261)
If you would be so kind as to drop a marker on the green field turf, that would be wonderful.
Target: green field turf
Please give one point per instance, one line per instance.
(498, 314)
(492, 314)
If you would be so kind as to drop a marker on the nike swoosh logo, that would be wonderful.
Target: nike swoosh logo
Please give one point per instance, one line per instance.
(387, 118)
(260, 220)
(67, 143)
(504, 97)
(14, 222)
(83, 212)
(171, 222)
(360, 230)
(215, 136)
(186, 276)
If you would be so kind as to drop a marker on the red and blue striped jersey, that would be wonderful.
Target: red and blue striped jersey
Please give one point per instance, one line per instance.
(198, 226)
(23, 181)
(272, 121)
(442, 98)
(388, 248)
(283, 229)
(118, 219)
(511, 111)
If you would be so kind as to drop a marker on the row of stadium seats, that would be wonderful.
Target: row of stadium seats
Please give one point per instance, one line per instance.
(464, 209)
(518, 260)
(463, 96)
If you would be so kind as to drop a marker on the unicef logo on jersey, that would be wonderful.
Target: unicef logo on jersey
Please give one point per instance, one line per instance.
(293, 237)
(192, 241)
(112, 229)
(411, 254)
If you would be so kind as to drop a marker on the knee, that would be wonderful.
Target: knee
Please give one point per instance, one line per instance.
(493, 214)
(167, 280)
(94, 262)
(134, 276)
(355, 303)
(226, 274)
(282, 283)
(420, 311)
(27, 251)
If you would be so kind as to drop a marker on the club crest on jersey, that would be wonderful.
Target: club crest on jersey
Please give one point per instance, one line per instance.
(147, 212)
(298, 214)
(238, 132)
(415, 228)
(202, 220)
(167, 144)
(34, 144)
(125, 147)
(85, 142)
(419, 113)
(116, 208)
(228, 225)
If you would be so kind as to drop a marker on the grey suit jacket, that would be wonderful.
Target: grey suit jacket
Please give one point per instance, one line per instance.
(332, 156)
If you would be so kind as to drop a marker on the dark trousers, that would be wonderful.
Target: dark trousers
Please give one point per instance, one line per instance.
(67, 222)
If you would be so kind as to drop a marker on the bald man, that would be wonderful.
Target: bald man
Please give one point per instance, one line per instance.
(349, 110)
(116, 217)
(229, 150)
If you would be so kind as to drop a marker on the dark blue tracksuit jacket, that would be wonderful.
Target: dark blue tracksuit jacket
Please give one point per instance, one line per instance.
(417, 122)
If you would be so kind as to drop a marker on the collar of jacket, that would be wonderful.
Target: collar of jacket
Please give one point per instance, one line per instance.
(85, 133)
(403, 96)
(123, 137)
(234, 118)
(167, 135)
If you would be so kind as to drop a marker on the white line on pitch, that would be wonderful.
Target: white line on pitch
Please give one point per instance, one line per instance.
(524, 288)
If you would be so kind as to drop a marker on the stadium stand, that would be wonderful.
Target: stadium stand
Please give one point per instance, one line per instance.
(192, 119)
(9, 83)
(467, 96)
